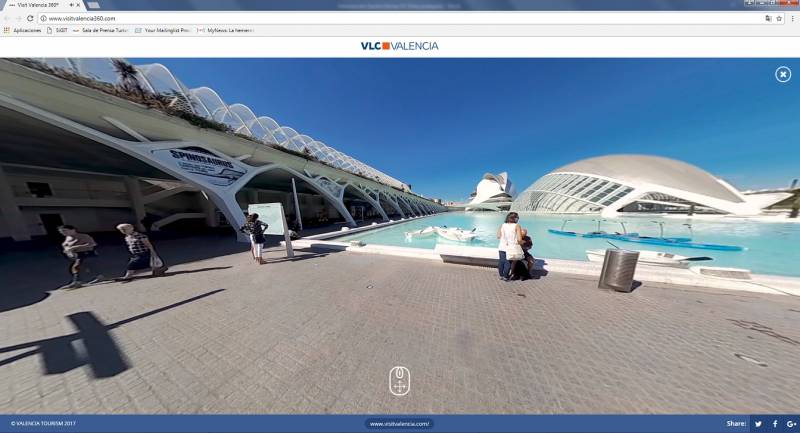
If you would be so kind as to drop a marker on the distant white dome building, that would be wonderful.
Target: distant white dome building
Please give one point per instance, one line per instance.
(615, 184)
(494, 192)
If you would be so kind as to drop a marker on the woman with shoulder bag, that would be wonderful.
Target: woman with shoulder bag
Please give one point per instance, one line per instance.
(510, 235)
(143, 255)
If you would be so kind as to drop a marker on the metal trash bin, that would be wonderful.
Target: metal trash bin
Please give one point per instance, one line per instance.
(618, 269)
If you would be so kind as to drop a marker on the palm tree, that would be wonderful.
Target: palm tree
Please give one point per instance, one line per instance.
(128, 78)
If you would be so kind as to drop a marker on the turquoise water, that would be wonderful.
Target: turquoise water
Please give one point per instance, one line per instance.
(772, 248)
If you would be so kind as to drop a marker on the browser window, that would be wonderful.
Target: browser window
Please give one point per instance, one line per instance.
(399, 216)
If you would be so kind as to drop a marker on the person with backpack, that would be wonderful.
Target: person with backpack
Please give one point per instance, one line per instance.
(255, 228)
(78, 248)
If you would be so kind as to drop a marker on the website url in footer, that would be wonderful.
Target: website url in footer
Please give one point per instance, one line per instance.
(399, 423)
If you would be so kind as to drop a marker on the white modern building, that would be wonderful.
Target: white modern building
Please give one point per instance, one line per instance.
(614, 184)
(97, 142)
(493, 192)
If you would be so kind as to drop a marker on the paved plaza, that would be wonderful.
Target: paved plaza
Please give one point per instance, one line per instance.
(320, 334)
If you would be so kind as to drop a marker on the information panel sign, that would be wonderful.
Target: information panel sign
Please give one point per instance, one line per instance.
(272, 214)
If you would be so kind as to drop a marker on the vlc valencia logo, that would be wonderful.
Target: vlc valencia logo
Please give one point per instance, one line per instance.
(400, 46)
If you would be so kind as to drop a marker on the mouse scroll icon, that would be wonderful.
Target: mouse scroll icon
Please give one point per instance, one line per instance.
(399, 381)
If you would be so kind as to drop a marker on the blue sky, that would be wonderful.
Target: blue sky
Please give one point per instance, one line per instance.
(439, 124)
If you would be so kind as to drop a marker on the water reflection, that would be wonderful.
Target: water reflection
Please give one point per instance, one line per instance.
(771, 247)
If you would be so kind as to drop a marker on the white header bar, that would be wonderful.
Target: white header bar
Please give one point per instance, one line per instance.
(375, 47)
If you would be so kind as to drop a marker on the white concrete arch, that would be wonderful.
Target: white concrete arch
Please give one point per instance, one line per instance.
(407, 207)
(219, 110)
(161, 81)
(284, 135)
(100, 69)
(269, 123)
(416, 204)
(225, 202)
(210, 99)
(413, 206)
(366, 196)
(206, 102)
(317, 149)
(303, 141)
(199, 108)
(250, 120)
(393, 201)
(334, 199)
(414, 210)
(58, 63)
(160, 78)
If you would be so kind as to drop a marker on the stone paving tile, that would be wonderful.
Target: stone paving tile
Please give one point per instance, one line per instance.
(319, 335)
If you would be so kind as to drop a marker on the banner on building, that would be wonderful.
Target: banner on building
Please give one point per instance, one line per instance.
(202, 166)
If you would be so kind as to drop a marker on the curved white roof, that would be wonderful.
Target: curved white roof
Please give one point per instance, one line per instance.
(637, 169)
(205, 102)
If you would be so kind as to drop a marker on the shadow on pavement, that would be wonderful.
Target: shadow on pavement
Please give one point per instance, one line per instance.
(21, 299)
(536, 273)
(538, 270)
(100, 351)
(297, 257)
(169, 274)
(30, 272)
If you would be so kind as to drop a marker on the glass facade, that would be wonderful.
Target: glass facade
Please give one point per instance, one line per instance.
(569, 193)
(205, 102)
(665, 203)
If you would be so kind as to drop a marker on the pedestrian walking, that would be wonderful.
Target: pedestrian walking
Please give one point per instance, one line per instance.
(143, 255)
(79, 248)
(255, 228)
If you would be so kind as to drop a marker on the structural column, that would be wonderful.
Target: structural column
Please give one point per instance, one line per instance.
(297, 217)
(411, 209)
(137, 200)
(414, 209)
(252, 196)
(17, 226)
(210, 209)
(394, 204)
(366, 194)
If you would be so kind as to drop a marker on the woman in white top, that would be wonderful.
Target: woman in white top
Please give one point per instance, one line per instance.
(510, 249)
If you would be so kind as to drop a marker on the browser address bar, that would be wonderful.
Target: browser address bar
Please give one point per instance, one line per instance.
(414, 18)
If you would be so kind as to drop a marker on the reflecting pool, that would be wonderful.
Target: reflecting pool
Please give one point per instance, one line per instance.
(770, 247)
